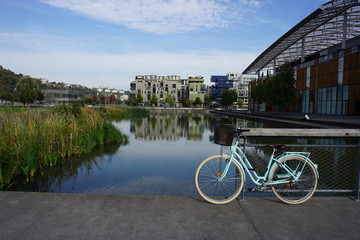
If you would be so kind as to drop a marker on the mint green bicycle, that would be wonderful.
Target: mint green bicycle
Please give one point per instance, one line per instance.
(292, 176)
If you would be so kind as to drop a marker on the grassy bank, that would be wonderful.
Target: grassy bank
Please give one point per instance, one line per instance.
(32, 140)
(116, 113)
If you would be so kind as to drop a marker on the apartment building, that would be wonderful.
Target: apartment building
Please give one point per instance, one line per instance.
(197, 88)
(161, 86)
(241, 85)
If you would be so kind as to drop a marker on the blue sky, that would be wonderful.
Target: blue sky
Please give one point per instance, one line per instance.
(106, 43)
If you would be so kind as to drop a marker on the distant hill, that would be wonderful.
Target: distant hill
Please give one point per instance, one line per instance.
(8, 79)
(81, 90)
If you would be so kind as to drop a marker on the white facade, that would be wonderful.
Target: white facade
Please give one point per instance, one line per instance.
(161, 86)
(241, 84)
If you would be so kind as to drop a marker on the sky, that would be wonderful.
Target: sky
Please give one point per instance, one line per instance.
(106, 43)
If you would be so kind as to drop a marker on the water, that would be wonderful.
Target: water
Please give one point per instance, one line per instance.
(161, 158)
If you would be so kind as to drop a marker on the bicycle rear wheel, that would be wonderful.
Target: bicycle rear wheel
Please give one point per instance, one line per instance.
(294, 191)
(214, 187)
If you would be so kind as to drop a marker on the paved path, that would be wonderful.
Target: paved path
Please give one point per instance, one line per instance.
(315, 121)
(79, 216)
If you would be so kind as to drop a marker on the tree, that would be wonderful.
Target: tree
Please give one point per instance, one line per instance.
(102, 99)
(277, 91)
(94, 99)
(154, 99)
(5, 95)
(240, 103)
(169, 99)
(112, 98)
(197, 101)
(28, 90)
(40, 96)
(139, 98)
(228, 97)
(258, 94)
(185, 101)
(209, 98)
(284, 90)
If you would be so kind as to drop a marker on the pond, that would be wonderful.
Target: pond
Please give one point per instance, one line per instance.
(161, 158)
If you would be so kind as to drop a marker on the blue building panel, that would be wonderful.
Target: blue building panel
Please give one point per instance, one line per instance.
(220, 82)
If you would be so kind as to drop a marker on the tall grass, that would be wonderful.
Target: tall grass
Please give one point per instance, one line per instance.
(34, 139)
(120, 113)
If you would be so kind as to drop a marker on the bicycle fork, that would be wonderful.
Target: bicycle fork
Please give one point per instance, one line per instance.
(226, 169)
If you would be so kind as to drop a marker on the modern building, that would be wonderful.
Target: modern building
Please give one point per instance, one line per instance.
(324, 50)
(197, 88)
(243, 87)
(328, 82)
(161, 86)
(220, 83)
(55, 96)
(241, 84)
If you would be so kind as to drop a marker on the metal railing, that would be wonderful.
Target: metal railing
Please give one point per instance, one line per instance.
(338, 165)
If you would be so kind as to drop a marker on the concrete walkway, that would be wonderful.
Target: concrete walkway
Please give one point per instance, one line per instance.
(79, 216)
(315, 121)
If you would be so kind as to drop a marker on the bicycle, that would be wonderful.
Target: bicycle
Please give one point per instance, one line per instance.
(219, 179)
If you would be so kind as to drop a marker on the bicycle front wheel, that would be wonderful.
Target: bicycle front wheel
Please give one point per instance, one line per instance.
(294, 191)
(211, 183)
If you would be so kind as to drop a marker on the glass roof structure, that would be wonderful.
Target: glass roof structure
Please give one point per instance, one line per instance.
(332, 23)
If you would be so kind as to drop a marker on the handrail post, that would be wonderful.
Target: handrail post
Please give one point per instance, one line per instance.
(357, 187)
(241, 196)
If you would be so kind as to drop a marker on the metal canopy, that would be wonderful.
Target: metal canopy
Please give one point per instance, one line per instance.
(333, 23)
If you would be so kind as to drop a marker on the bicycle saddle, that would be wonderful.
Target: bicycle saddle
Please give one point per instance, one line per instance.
(277, 146)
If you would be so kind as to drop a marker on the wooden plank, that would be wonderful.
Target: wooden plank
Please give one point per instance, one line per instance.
(302, 132)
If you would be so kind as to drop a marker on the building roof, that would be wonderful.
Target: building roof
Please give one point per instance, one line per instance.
(321, 29)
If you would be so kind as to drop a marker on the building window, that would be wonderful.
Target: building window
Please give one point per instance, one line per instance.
(306, 101)
(308, 77)
(354, 49)
(340, 71)
(333, 100)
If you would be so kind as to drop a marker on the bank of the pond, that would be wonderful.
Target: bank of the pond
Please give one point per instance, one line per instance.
(33, 139)
(178, 110)
(296, 119)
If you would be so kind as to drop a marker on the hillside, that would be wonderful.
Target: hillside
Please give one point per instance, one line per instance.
(8, 80)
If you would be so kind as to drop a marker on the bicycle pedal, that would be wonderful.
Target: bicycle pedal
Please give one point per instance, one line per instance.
(251, 189)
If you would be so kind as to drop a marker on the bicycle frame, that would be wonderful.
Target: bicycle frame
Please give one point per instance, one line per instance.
(239, 156)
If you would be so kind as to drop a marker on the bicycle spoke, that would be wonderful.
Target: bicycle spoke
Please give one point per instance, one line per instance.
(215, 187)
(299, 188)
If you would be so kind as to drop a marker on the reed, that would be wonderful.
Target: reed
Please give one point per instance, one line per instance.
(121, 113)
(35, 139)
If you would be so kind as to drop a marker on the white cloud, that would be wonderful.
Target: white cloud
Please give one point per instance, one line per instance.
(251, 3)
(161, 16)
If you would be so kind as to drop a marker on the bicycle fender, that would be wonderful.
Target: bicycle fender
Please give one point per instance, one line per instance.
(232, 159)
(297, 155)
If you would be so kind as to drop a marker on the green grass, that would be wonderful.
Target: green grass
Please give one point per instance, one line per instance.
(118, 113)
(33, 139)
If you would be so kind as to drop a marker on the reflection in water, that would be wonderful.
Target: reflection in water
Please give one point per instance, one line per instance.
(164, 151)
(53, 179)
(172, 127)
